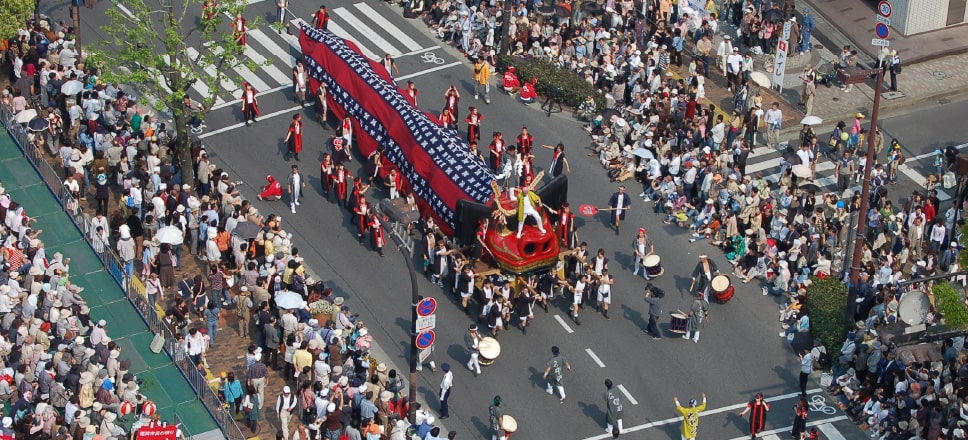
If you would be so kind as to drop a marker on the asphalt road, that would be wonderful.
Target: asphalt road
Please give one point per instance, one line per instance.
(739, 353)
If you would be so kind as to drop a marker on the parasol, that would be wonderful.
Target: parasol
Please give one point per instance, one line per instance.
(802, 171)
(810, 187)
(170, 235)
(26, 115)
(72, 87)
(760, 79)
(289, 300)
(643, 153)
(38, 124)
(246, 230)
(811, 120)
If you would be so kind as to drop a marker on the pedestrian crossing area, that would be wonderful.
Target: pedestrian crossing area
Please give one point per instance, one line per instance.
(765, 162)
(274, 53)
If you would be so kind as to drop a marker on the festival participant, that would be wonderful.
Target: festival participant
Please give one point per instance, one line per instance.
(447, 119)
(321, 106)
(559, 163)
(524, 141)
(321, 18)
(250, 104)
(451, 100)
(619, 203)
(272, 190)
(338, 179)
(362, 211)
(300, 80)
(411, 93)
(566, 225)
(347, 134)
(496, 150)
(294, 137)
(377, 235)
(473, 121)
(690, 417)
(757, 409)
(510, 81)
(239, 28)
(528, 93)
(326, 169)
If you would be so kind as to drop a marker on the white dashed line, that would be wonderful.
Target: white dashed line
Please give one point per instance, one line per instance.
(628, 395)
(595, 358)
(563, 324)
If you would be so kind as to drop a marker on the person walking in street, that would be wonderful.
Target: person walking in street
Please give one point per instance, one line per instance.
(604, 293)
(321, 18)
(653, 296)
(446, 383)
(554, 373)
(702, 275)
(243, 307)
(482, 77)
(800, 410)
(559, 163)
(697, 317)
(806, 367)
(690, 417)
(285, 405)
(578, 292)
(300, 81)
(613, 409)
(495, 415)
(250, 104)
(757, 409)
(773, 120)
(294, 137)
(296, 185)
(472, 341)
(844, 170)
(619, 203)
(642, 246)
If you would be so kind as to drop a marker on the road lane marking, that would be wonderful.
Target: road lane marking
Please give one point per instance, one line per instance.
(246, 74)
(830, 432)
(371, 35)
(678, 419)
(340, 32)
(241, 124)
(628, 396)
(274, 48)
(595, 358)
(424, 72)
(271, 69)
(931, 154)
(919, 179)
(418, 51)
(787, 429)
(227, 85)
(385, 24)
(563, 324)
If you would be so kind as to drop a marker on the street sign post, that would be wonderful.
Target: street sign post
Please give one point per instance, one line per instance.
(426, 307)
(882, 19)
(779, 63)
(424, 354)
(884, 9)
(426, 339)
(880, 42)
(881, 31)
(786, 31)
(425, 323)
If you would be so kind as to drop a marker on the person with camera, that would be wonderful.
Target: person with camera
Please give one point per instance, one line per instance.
(653, 296)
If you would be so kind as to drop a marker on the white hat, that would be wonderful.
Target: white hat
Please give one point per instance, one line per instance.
(331, 407)
(286, 389)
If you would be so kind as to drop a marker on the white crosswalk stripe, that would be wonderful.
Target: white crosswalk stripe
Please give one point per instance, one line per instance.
(273, 71)
(351, 20)
(273, 48)
(386, 25)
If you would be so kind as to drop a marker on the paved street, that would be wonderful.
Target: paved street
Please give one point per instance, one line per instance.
(739, 353)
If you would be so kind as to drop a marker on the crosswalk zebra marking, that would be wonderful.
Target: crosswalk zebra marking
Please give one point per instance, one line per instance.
(385, 24)
(363, 28)
(265, 41)
(227, 86)
(271, 69)
(246, 74)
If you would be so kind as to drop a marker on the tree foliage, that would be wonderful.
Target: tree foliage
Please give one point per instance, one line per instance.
(950, 305)
(165, 47)
(15, 15)
(827, 305)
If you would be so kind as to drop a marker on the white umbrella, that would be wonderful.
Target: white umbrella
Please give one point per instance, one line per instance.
(26, 115)
(289, 300)
(811, 120)
(72, 87)
(643, 153)
(170, 235)
(760, 79)
(802, 171)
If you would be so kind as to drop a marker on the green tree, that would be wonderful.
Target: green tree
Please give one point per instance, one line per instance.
(15, 15)
(164, 47)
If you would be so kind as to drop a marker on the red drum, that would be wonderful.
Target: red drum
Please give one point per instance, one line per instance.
(678, 324)
(722, 288)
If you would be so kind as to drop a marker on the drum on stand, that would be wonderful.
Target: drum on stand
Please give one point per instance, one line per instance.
(653, 265)
(509, 425)
(722, 288)
(489, 349)
(678, 323)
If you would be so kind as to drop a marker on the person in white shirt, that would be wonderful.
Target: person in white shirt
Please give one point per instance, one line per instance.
(446, 383)
(723, 52)
(773, 120)
(733, 66)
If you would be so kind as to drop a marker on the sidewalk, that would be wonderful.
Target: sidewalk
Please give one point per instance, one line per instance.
(162, 382)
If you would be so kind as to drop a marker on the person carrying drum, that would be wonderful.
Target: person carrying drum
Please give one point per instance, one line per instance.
(643, 247)
(554, 374)
(653, 296)
(697, 316)
(703, 275)
(690, 417)
(472, 341)
(496, 419)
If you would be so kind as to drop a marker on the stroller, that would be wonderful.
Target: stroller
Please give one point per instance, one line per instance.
(826, 72)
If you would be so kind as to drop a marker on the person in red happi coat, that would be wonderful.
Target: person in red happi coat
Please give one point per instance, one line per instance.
(294, 137)
(239, 27)
(250, 104)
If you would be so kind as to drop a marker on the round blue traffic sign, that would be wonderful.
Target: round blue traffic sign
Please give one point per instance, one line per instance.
(884, 8)
(426, 307)
(881, 30)
(426, 339)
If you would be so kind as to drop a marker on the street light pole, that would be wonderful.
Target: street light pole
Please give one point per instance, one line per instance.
(406, 250)
(504, 48)
(861, 227)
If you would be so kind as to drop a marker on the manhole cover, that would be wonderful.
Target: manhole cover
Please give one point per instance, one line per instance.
(944, 101)
(818, 46)
(939, 75)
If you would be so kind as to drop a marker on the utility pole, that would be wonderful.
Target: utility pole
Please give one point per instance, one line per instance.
(861, 226)
(398, 233)
(504, 47)
(76, 21)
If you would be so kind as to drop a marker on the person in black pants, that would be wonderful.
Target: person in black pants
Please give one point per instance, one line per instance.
(653, 296)
(806, 367)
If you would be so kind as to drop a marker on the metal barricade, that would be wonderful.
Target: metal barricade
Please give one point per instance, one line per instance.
(132, 286)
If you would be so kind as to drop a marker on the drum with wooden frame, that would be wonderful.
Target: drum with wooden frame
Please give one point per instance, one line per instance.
(678, 323)
(509, 425)
(722, 288)
(653, 265)
(489, 349)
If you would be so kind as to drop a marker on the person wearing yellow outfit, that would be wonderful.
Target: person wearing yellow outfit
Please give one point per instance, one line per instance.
(690, 417)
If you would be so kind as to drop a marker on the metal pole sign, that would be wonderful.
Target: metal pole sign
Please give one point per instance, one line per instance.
(786, 30)
(883, 20)
(426, 307)
(425, 323)
(426, 340)
(779, 64)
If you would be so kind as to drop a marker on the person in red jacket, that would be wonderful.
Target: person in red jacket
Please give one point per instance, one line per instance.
(272, 189)
(511, 83)
(528, 93)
